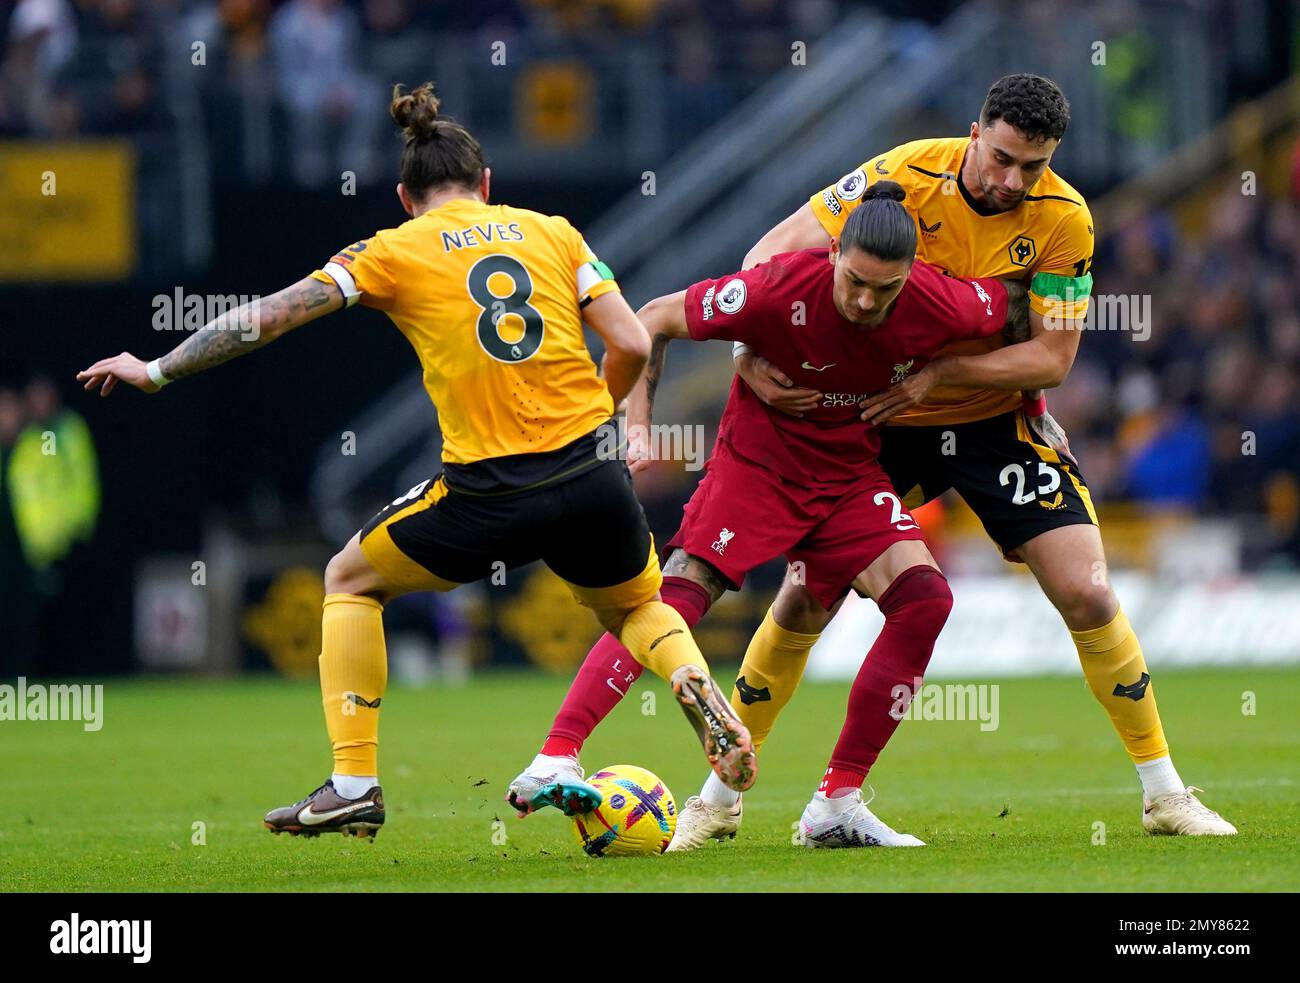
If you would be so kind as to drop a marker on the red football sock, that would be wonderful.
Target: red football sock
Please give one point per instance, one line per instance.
(915, 607)
(609, 672)
(561, 747)
(687, 598)
(837, 782)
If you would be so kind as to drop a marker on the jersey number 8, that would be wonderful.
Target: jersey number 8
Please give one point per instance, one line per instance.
(494, 308)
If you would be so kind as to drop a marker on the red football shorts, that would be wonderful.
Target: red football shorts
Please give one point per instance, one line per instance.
(742, 515)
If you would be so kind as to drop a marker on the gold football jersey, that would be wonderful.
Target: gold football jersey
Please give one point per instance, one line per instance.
(490, 298)
(1049, 232)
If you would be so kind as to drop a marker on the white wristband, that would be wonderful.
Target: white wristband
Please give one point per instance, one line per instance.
(156, 374)
(739, 348)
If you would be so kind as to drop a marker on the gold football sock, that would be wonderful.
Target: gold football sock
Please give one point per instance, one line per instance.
(659, 639)
(353, 676)
(1117, 675)
(773, 666)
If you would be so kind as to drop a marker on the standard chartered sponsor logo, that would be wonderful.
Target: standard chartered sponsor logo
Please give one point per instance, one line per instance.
(843, 399)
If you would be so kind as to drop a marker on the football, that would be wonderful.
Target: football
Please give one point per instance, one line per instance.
(637, 815)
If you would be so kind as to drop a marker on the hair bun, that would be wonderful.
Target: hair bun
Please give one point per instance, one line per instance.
(416, 112)
(885, 189)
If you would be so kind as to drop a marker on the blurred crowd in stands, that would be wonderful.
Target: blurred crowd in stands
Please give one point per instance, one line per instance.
(1204, 414)
(101, 66)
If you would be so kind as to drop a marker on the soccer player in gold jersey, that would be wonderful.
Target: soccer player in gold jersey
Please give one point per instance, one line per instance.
(986, 204)
(492, 299)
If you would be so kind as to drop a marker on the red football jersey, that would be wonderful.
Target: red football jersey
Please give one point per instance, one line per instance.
(784, 310)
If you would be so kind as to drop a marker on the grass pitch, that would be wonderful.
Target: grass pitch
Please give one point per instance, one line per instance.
(1025, 807)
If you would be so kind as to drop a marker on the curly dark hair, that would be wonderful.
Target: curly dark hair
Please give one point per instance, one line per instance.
(1032, 104)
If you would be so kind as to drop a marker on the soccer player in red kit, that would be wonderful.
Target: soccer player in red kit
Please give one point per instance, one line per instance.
(854, 317)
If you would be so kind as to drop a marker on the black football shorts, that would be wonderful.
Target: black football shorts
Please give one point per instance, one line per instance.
(588, 527)
(1017, 485)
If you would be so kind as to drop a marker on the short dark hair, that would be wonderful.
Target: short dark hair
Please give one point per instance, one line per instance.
(1032, 104)
(881, 226)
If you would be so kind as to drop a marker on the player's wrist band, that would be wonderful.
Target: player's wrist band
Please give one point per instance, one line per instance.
(739, 348)
(1034, 407)
(156, 373)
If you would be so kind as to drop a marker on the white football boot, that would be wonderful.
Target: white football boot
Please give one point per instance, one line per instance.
(726, 740)
(700, 822)
(846, 821)
(1183, 814)
(552, 780)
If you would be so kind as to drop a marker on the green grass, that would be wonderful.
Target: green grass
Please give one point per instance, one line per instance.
(113, 810)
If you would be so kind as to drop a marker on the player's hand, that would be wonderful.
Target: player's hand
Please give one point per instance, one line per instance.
(107, 372)
(638, 446)
(774, 387)
(905, 395)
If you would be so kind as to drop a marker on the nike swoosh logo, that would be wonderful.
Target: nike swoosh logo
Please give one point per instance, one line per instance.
(809, 365)
(675, 631)
(309, 818)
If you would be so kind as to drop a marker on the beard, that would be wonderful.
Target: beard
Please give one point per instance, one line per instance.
(995, 200)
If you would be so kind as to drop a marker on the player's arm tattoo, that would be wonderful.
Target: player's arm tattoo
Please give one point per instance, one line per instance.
(1016, 329)
(654, 369)
(1017, 326)
(682, 564)
(250, 326)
